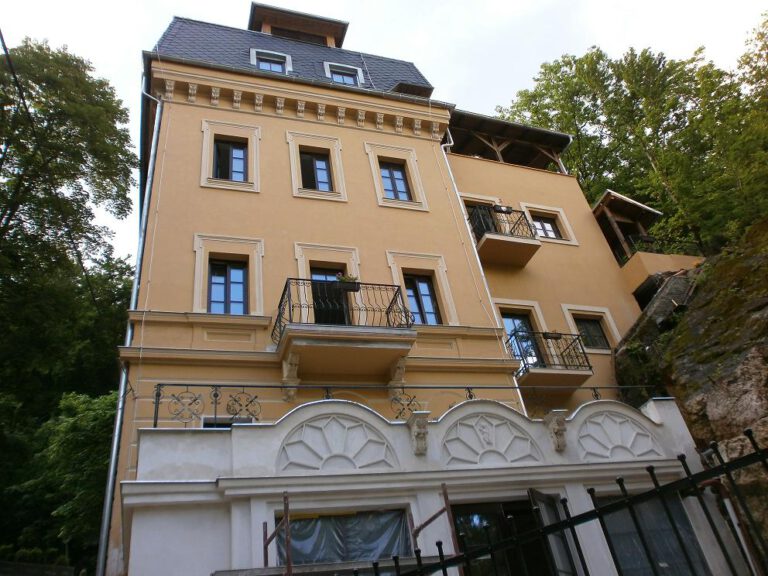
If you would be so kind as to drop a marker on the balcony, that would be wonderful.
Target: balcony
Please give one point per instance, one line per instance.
(549, 359)
(331, 330)
(503, 235)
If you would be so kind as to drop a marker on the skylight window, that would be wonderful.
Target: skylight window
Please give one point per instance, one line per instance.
(267, 61)
(342, 74)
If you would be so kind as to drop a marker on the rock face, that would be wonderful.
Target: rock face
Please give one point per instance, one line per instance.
(713, 356)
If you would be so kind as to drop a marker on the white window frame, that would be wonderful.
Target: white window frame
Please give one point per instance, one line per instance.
(612, 334)
(256, 52)
(551, 212)
(377, 153)
(298, 140)
(250, 248)
(212, 129)
(329, 66)
(427, 264)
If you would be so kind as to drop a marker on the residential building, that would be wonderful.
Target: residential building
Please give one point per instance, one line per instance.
(350, 293)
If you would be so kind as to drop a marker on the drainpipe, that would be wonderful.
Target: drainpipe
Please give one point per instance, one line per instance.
(106, 515)
(443, 147)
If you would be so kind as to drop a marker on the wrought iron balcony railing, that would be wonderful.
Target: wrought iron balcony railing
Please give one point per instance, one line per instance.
(499, 220)
(547, 350)
(338, 303)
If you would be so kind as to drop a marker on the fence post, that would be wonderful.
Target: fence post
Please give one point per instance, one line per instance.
(707, 515)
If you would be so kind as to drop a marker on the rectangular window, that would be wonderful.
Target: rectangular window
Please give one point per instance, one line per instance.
(230, 160)
(270, 63)
(359, 537)
(664, 545)
(394, 181)
(315, 171)
(227, 288)
(546, 226)
(592, 334)
(421, 299)
(344, 77)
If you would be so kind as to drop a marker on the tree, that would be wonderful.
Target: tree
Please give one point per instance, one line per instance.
(680, 135)
(64, 148)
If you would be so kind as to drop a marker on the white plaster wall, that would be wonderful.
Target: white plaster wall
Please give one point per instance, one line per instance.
(184, 540)
(339, 455)
(198, 454)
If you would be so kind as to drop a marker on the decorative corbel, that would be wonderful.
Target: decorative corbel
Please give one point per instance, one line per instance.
(379, 121)
(215, 95)
(417, 424)
(399, 124)
(169, 84)
(341, 113)
(290, 377)
(258, 102)
(321, 112)
(417, 126)
(397, 377)
(555, 423)
(300, 105)
(361, 118)
(237, 96)
(191, 93)
(435, 130)
(279, 105)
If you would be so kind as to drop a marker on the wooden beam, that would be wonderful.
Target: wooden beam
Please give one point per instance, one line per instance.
(618, 232)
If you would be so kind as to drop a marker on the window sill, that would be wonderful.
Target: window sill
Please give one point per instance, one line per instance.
(230, 185)
(601, 351)
(319, 195)
(562, 241)
(404, 204)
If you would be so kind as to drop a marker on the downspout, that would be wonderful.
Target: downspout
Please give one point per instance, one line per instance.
(443, 147)
(106, 515)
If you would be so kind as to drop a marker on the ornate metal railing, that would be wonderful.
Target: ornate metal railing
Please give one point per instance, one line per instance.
(221, 405)
(341, 304)
(210, 404)
(497, 219)
(547, 350)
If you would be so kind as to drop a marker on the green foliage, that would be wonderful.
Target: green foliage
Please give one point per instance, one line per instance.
(682, 136)
(63, 300)
(73, 154)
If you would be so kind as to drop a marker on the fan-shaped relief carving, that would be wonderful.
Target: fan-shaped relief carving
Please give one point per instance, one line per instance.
(610, 435)
(488, 440)
(336, 442)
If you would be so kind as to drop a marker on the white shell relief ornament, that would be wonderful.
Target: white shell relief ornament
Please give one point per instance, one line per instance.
(613, 436)
(487, 439)
(336, 442)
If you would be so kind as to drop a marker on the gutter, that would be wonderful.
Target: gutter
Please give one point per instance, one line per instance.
(109, 496)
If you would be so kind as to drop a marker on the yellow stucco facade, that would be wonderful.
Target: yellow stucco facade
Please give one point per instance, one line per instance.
(186, 365)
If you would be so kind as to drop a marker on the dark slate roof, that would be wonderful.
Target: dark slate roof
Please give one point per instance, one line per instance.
(223, 47)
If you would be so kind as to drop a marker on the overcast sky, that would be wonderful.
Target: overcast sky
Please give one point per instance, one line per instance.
(477, 54)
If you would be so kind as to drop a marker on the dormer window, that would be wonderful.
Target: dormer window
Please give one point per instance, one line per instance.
(342, 74)
(267, 61)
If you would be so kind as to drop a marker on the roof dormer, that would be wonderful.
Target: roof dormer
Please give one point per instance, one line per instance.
(297, 25)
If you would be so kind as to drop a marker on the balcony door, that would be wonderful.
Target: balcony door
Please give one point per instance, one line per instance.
(522, 340)
(481, 220)
(329, 302)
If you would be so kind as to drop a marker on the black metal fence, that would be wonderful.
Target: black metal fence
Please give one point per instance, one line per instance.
(502, 220)
(341, 303)
(547, 350)
(668, 547)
